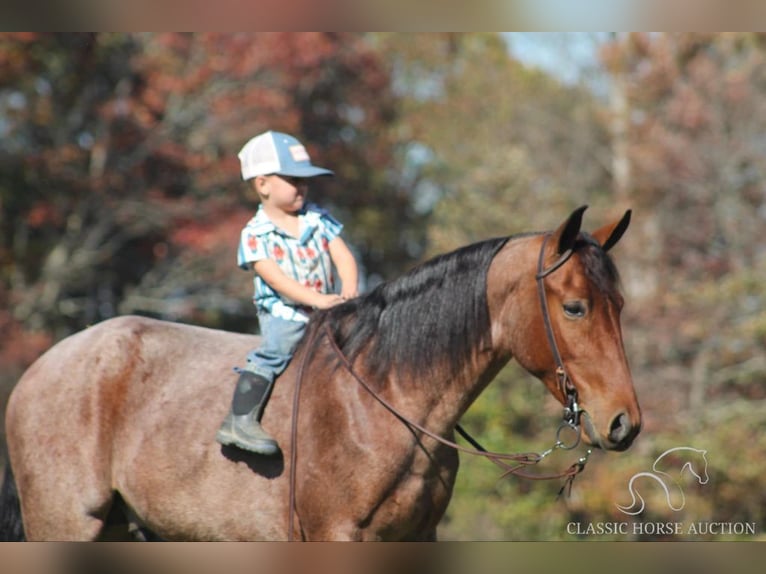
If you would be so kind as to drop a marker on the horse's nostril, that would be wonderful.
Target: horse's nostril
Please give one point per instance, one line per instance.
(619, 429)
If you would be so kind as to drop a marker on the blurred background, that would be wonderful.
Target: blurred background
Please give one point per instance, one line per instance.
(120, 193)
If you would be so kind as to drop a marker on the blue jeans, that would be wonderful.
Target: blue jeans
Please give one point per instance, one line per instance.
(279, 339)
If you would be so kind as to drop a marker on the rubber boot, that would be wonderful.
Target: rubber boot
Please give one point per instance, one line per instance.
(242, 427)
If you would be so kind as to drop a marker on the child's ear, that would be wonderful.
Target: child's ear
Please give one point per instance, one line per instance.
(255, 187)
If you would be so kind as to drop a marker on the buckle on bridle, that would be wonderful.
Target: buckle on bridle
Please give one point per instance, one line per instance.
(572, 410)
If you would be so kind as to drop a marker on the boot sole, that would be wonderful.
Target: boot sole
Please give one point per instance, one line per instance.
(264, 447)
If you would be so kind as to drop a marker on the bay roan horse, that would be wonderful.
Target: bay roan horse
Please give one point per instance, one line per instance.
(120, 419)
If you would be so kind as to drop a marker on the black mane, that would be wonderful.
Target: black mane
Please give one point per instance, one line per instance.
(436, 312)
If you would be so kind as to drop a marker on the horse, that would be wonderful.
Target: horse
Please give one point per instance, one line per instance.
(120, 418)
(666, 480)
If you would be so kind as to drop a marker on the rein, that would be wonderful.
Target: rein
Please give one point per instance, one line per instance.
(521, 459)
(570, 417)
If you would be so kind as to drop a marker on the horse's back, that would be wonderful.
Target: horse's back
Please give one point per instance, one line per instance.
(104, 409)
(105, 368)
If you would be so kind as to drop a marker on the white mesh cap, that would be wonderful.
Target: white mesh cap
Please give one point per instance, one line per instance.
(277, 153)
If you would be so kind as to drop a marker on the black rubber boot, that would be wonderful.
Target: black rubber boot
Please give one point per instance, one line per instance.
(242, 427)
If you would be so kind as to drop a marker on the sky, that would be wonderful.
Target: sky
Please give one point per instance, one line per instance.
(562, 54)
(572, 57)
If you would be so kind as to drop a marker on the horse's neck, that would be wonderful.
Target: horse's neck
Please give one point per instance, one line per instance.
(444, 400)
(456, 395)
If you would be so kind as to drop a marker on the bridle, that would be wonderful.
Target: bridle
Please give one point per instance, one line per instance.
(570, 416)
(567, 389)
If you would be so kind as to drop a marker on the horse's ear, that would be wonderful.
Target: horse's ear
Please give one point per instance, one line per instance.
(566, 235)
(610, 234)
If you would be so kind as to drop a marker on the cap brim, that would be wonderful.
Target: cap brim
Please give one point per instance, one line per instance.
(304, 171)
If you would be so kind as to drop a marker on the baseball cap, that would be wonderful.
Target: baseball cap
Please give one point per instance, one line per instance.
(277, 153)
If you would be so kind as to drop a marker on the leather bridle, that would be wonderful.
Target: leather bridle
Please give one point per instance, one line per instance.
(567, 389)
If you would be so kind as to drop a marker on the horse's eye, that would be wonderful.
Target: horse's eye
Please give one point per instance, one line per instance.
(574, 309)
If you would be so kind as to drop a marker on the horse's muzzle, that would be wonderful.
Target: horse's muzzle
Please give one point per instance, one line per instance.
(621, 433)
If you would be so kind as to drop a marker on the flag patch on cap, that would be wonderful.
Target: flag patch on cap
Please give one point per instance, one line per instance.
(299, 153)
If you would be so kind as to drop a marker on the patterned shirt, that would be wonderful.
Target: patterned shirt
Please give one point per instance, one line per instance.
(305, 259)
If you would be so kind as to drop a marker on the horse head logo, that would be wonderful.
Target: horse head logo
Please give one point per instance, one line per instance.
(697, 466)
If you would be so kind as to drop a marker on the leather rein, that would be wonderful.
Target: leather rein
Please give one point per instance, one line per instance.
(512, 464)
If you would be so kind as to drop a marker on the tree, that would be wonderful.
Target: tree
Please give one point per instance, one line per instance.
(696, 148)
(499, 147)
(119, 186)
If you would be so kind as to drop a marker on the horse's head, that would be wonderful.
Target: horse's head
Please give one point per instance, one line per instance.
(581, 291)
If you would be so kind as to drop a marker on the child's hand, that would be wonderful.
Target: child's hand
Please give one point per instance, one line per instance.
(348, 293)
(327, 301)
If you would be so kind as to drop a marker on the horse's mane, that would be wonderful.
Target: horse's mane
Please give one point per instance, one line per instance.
(436, 312)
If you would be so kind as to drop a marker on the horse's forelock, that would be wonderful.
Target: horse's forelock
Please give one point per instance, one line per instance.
(599, 267)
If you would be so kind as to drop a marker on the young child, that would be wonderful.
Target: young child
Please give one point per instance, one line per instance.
(291, 245)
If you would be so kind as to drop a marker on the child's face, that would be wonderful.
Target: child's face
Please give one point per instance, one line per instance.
(284, 192)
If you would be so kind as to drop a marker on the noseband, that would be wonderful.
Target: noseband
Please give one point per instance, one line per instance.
(567, 389)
